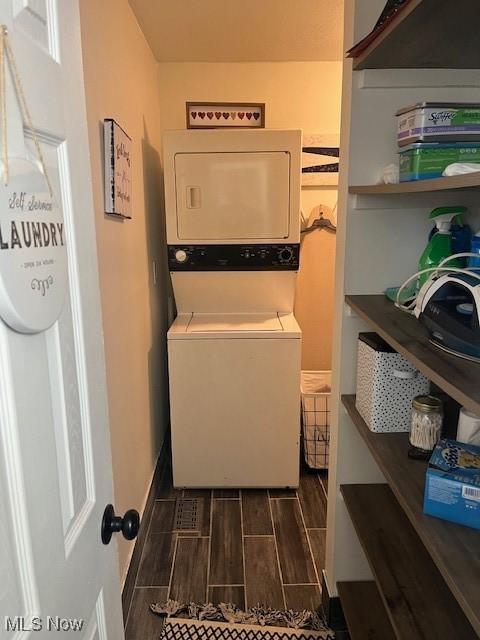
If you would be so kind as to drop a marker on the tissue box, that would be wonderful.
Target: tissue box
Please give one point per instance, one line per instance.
(452, 488)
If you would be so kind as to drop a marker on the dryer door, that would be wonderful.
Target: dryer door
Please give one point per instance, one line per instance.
(232, 196)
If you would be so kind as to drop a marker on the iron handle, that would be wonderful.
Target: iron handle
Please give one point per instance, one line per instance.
(128, 525)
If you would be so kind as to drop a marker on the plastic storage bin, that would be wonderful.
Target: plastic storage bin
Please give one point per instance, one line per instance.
(423, 161)
(316, 390)
(438, 122)
(386, 385)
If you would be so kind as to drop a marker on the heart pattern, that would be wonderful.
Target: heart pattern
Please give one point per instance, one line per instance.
(226, 115)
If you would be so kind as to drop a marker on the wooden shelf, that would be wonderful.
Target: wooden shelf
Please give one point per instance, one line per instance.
(418, 602)
(459, 378)
(364, 611)
(434, 34)
(454, 549)
(466, 181)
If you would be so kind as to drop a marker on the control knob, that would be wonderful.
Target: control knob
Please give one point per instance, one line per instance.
(181, 255)
(285, 254)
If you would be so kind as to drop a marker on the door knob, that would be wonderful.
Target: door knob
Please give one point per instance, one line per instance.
(128, 525)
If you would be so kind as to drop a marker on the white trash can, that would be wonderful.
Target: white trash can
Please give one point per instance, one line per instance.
(316, 389)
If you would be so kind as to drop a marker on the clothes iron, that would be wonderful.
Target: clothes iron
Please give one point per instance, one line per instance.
(448, 306)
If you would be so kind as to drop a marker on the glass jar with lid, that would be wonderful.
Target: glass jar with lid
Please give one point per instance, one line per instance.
(426, 425)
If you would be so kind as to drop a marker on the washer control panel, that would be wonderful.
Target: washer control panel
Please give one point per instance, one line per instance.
(234, 257)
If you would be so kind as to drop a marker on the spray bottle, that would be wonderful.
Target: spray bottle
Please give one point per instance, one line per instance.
(439, 246)
(474, 263)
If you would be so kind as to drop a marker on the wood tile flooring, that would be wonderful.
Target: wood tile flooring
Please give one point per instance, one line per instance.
(252, 547)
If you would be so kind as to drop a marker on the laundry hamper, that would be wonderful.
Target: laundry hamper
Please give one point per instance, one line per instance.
(316, 389)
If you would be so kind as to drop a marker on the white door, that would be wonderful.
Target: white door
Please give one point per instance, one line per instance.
(55, 463)
(233, 196)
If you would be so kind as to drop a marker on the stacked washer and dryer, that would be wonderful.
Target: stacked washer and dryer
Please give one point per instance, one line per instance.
(233, 234)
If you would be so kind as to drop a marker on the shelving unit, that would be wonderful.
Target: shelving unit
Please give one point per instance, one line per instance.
(450, 183)
(454, 549)
(418, 575)
(435, 34)
(417, 600)
(359, 599)
(458, 377)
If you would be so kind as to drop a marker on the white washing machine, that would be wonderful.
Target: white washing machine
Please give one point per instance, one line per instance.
(232, 201)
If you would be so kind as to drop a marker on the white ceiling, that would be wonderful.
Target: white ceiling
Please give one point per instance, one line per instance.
(242, 30)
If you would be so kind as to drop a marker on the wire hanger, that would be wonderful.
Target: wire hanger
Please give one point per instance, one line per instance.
(320, 223)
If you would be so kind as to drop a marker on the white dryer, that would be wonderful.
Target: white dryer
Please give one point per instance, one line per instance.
(232, 201)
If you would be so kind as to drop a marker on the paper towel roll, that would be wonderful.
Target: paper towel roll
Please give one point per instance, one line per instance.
(468, 430)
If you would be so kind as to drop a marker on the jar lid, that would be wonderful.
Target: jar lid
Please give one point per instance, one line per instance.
(427, 404)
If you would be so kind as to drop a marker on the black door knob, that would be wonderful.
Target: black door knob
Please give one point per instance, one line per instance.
(128, 525)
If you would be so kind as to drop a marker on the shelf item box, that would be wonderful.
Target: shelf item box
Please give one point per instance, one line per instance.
(452, 487)
(424, 161)
(316, 391)
(386, 385)
(438, 122)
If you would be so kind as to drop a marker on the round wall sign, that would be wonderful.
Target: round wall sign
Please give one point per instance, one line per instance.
(33, 257)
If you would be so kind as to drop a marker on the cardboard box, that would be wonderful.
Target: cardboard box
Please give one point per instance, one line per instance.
(452, 488)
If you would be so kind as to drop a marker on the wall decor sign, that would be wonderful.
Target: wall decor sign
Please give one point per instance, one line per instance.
(118, 170)
(320, 156)
(225, 115)
(33, 257)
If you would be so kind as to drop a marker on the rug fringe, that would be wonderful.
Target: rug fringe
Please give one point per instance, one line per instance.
(228, 612)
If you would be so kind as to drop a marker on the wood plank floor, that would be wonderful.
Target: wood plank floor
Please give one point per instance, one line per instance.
(252, 547)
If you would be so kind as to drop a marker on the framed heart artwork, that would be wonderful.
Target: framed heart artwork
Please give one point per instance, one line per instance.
(225, 115)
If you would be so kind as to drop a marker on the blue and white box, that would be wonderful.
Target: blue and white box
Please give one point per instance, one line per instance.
(452, 488)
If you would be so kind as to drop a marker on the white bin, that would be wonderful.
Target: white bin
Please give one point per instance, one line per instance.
(386, 385)
(316, 389)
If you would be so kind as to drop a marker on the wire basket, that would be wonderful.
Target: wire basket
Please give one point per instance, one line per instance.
(315, 387)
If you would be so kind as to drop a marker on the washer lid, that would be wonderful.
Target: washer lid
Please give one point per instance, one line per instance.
(215, 326)
(218, 322)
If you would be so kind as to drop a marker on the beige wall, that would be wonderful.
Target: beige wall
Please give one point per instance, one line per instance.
(121, 83)
(315, 292)
(303, 95)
